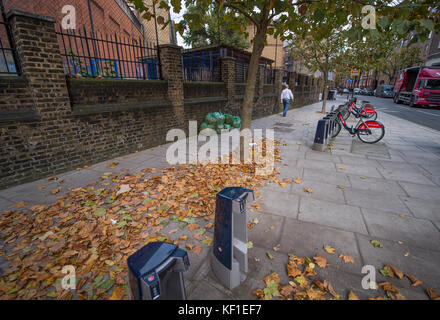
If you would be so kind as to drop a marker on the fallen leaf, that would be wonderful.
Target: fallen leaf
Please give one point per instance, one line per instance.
(298, 143)
(320, 260)
(414, 280)
(197, 249)
(329, 249)
(352, 296)
(347, 259)
(42, 187)
(329, 288)
(402, 215)
(292, 268)
(341, 168)
(269, 255)
(297, 180)
(123, 189)
(258, 293)
(399, 274)
(376, 243)
(118, 293)
(432, 294)
(271, 290)
(21, 204)
(340, 187)
(286, 289)
(308, 190)
(250, 245)
(272, 277)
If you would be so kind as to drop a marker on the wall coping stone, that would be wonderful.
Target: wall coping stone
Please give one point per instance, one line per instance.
(117, 81)
(170, 45)
(204, 100)
(117, 107)
(15, 12)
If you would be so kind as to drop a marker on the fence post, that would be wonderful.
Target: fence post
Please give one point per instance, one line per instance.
(172, 71)
(41, 63)
(227, 71)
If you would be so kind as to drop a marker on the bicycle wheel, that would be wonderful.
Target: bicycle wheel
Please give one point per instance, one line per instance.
(371, 131)
(371, 116)
(346, 114)
(336, 130)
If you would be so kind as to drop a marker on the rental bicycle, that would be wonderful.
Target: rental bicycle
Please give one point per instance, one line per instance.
(366, 110)
(368, 131)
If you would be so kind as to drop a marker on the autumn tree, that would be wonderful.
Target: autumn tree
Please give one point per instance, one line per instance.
(216, 30)
(279, 17)
(319, 55)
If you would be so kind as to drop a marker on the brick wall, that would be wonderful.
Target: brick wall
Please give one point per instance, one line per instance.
(50, 124)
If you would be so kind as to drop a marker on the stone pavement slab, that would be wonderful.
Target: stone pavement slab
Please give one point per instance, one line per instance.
(424, 208)
(375, 200)
(418, 232)
(331, 214)
(329, 177)
(280, 203)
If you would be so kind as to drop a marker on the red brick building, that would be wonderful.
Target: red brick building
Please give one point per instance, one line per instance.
(100, 16)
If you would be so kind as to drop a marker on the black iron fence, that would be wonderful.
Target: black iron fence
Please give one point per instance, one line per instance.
(108, 56)
(8, 61)
(269, 75)
(241, 71)
(201, 65)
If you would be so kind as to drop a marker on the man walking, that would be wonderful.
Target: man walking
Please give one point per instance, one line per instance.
(286, 95)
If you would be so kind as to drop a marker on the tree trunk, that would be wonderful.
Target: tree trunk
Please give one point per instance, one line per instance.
(249, 93)
(324, 97)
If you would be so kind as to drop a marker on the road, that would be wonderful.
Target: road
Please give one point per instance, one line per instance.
(428, 117)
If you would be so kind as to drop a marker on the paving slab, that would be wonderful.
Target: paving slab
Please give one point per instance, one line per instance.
(204, 290)
(321, 190)
(330, 214)
(375, 200)
(286, 203)
(423, 208)
(360, 170)
(267, 232)
(326, 176)
(348, 159)
(378, 149)
(306, 239)
(316, 164)
(418, 262)
(414, 231)
(317, 155)
(433, 169)
(403, 172)
(421, 191)
(376, 184)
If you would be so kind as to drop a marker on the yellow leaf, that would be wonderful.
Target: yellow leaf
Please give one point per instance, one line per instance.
(329, 249)
(352, 296)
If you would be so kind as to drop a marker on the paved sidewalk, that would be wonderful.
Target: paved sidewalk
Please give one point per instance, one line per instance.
(387, 192)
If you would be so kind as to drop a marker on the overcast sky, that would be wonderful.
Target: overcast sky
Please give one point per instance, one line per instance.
(176, 17)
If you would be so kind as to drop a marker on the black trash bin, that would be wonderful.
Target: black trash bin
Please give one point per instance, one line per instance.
(331, 95)
(229, 255)
(156, 272)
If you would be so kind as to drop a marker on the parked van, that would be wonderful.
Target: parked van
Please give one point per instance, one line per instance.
(384, 91)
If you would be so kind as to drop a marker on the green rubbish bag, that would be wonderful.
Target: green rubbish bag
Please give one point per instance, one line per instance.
(219, 128)
(228, 118)
(204, 125)
(236, 122)
(220, 118)
(210, 119)
(228, 127)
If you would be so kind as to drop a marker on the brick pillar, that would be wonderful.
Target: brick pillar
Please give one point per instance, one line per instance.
(278, 83)
(40, 62)
(227, 68)
(171, 64)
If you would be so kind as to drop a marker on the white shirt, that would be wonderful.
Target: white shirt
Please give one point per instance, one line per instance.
(286, 94)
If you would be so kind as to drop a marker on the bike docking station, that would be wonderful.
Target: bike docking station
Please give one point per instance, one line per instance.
(156, 272)
(229, 258)
(325, 128)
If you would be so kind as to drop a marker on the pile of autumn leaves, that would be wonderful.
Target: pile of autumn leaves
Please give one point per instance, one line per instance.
(95, 228)
(307, 286)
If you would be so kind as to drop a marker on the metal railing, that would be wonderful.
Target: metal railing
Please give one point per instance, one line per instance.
(99, 56)
(241, 71)
(8, 57)
(201, 66)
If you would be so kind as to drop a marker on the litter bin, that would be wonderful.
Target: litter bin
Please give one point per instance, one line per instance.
(156, 272)
(229, 255)
(331, 95)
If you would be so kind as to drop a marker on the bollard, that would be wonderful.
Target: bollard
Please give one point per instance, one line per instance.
(319, 143)
(229, 258)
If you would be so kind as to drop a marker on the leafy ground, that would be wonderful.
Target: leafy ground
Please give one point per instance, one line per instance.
(97, 227)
